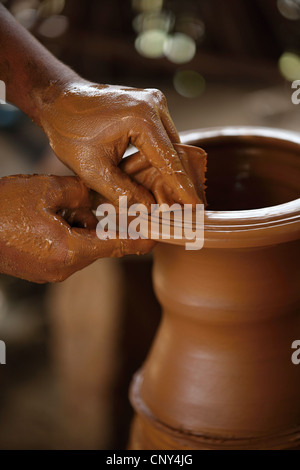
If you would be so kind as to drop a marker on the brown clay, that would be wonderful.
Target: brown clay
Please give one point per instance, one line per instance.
(219, 374)
(89, 127)
(193, 161)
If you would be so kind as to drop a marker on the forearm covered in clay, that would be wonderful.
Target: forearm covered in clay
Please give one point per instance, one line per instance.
(27, 68)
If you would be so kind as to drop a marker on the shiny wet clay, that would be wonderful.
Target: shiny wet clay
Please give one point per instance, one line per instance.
(219, 374)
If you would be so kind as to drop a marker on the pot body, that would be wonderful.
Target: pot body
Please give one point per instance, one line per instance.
(219, 374)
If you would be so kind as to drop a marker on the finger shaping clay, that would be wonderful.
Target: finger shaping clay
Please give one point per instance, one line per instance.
(193, 160)
(219, 374)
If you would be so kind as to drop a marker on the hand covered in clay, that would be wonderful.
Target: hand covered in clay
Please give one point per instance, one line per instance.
(193, 160)
(47, 229)
(89, 127)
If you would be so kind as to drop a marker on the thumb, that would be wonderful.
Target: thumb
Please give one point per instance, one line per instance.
(86, 247)
(66, 192)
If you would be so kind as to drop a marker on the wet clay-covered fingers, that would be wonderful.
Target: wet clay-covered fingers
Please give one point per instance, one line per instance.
(90, 126)
(47, 229)
(193, 160)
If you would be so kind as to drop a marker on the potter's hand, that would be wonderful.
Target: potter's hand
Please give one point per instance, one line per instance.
(36, 241)
(193, 160)
(90, 126)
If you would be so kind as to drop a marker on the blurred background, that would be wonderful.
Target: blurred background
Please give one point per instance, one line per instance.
(72, 348)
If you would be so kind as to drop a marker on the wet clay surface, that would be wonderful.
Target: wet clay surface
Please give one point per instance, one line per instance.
(47, 229)
(219, 374)
(193, 160)
(89, 127)
(50, 233)
(251, 173)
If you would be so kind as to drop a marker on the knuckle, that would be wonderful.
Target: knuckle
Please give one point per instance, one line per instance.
(56, 275)
(60, 263)
(57, 278)
(119, 250)
(157, 95)
(70, 259)
(143, 125)
(54, 189)
(148, 125)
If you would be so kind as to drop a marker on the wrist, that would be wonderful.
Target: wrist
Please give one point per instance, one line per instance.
(43, 97)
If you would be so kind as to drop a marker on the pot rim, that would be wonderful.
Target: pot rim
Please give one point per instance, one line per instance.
(254, 227)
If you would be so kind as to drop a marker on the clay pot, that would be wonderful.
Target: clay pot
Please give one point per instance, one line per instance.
(219, 374)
